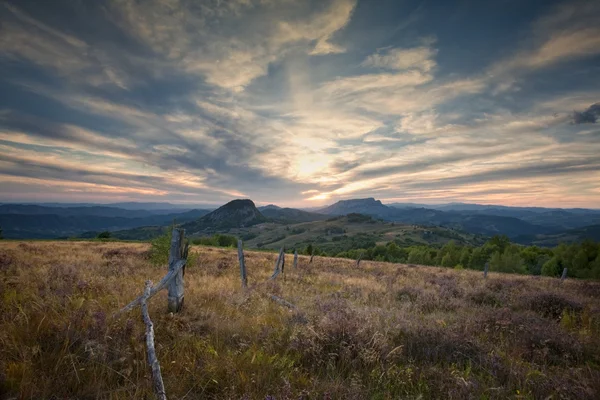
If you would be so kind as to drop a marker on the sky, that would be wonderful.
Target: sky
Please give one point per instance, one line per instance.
(300, 103)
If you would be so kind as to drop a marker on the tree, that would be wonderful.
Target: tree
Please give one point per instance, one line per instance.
(447, 261)
(501, 242)
(465, 256)
(552, 267)
(508, 261)
(103, 235)
(309, 249)
(478, 258)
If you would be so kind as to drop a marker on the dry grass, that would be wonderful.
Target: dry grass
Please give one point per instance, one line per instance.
(381, 331)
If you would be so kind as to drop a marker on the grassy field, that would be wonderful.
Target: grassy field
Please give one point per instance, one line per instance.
(380, 331)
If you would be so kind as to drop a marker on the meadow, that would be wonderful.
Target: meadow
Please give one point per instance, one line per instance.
(377, 331)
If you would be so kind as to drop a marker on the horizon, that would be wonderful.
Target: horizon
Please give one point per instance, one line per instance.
(201, 205)
(300, 104)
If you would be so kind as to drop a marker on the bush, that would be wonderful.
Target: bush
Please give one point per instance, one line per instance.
(551, 267)
(509, 261)
(159, 249)
(103, 235)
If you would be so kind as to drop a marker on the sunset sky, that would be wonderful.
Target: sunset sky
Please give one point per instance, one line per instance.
(300, 103)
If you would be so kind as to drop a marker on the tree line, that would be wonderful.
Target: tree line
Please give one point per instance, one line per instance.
(581, 259)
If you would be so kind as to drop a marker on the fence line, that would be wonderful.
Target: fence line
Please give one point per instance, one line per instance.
(173, 282)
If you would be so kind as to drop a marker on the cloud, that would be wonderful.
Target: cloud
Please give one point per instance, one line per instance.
(420, 58)
(589, 116)
(211, 39)
(567, 32)
(284, 101)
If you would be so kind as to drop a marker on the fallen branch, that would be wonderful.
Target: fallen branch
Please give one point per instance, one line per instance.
(160, 286)
(283, 302)
(159, 387)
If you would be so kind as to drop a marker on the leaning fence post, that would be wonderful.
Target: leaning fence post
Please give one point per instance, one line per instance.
(242, 264)
(295, 259)
(311, 257)
(279, 264)
(564, 275)
(358, 261)
(179, 251)
(485, 270)
(157, 380)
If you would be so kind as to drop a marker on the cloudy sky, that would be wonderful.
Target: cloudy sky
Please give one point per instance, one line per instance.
(300, 103)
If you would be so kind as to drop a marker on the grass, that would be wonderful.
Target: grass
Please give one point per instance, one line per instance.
(381, 331)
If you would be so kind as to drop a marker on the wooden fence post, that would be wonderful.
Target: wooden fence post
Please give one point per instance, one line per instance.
(179, 251)
(295, 259)
(242, 264)
(485, 270)
(312, 254)
(279, 264)
(157, 380)
(564, 275)
(358, 261)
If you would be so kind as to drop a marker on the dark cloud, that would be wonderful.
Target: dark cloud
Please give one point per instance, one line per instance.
(589, 116)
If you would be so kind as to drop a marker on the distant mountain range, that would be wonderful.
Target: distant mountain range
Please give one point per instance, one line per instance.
(39, 222)
(544, 226)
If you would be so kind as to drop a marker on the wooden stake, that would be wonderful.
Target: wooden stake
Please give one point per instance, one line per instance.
(242, 264)
(157, 380)
(178, 251)
(564, 275)
(358, 261)
(295, 259)
(278, 267)
(485, 270)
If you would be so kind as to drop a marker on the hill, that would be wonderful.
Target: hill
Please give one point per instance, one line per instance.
(368, 206)
(235, 214)
(591, 232)
(342, 233)
(290, 215)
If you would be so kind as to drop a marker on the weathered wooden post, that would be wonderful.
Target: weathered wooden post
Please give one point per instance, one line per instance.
(312, 254)
(564, 275)
(279, 264)
(179, 251)
(242, 264)
(295, 259)
(157, 380)
(485, 270)
(358, 260)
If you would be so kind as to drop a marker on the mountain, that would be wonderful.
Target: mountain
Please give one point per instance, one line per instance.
(18, 225)
(473, 222)
(591, 232)
(290, 215)
(97, 211)
(235, 214)
(368, 206)
(269, 207)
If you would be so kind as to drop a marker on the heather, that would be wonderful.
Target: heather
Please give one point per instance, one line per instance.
(382, 330)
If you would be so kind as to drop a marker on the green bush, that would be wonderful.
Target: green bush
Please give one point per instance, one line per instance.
(103, 235)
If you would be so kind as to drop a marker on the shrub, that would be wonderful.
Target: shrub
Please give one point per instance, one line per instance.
(103, 235)
(551, 267)
(551, 305)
